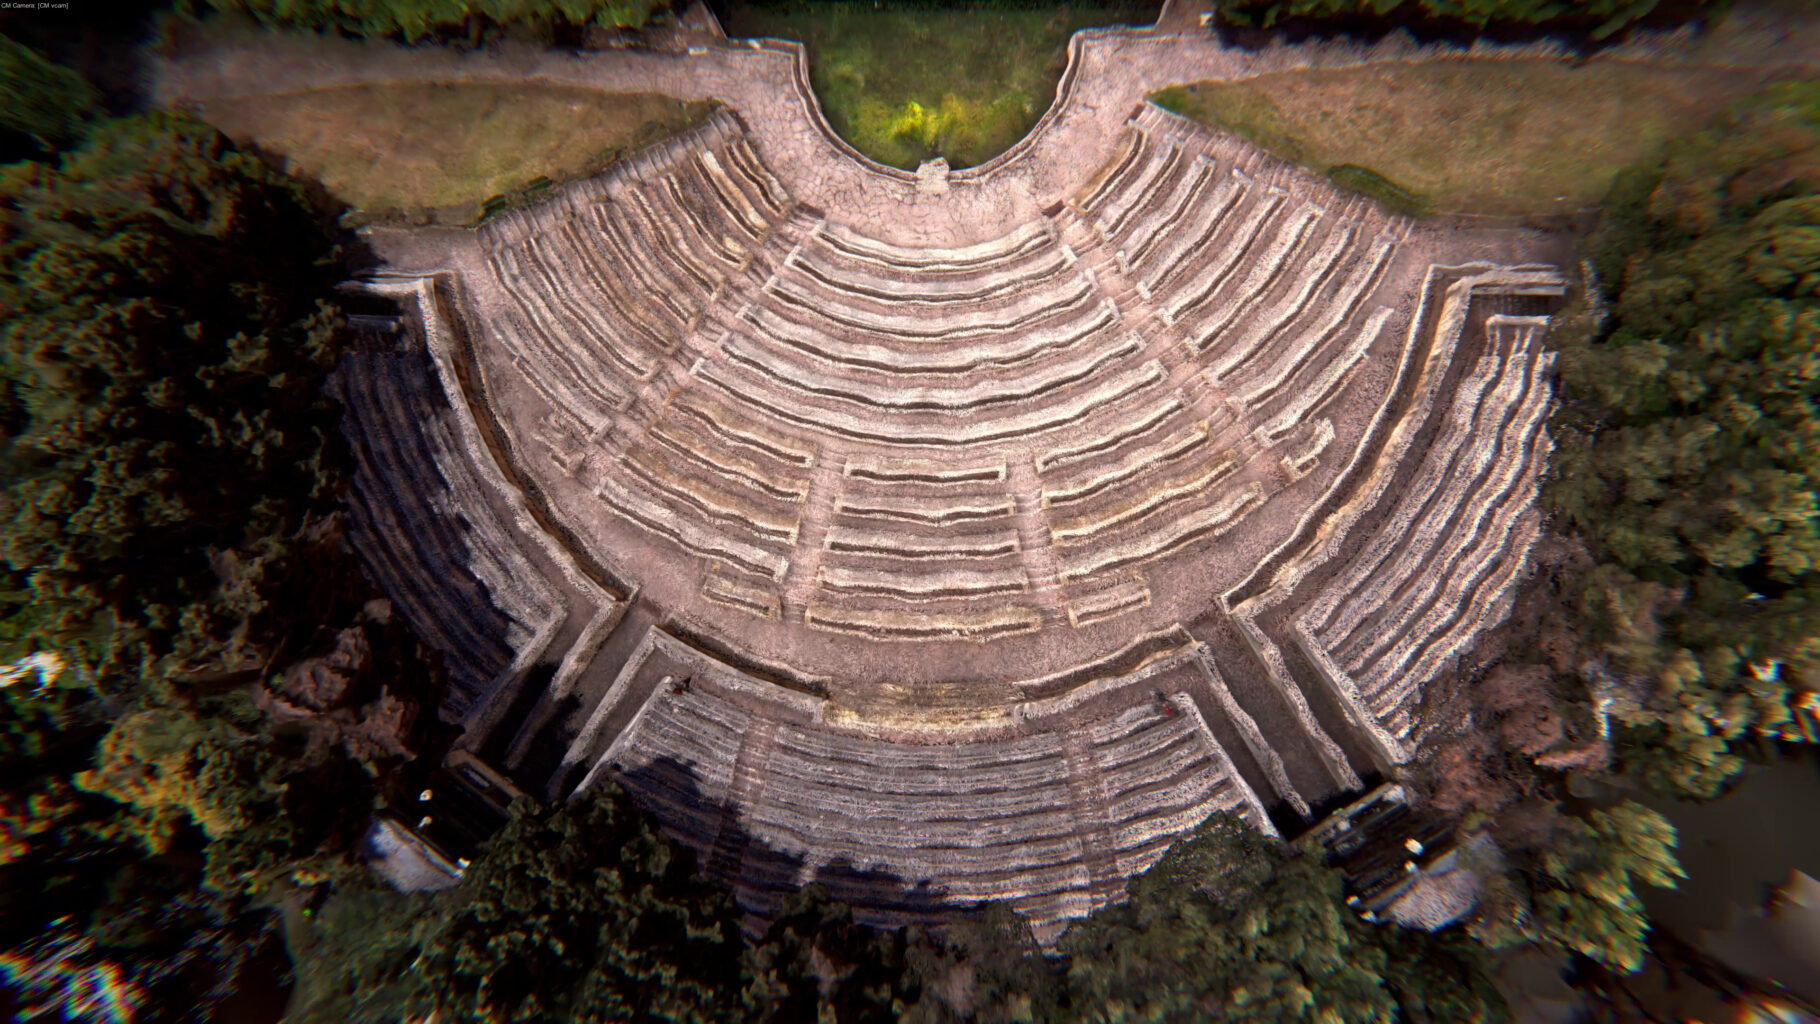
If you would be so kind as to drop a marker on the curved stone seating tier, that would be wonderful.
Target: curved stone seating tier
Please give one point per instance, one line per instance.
(886, 391)
(943, 512)
(831, 258)
(1452, 546)
(797, 330)
(675, 203)
(766, 396)
(1094, 547)
(1051, 816)
(914, 549)
(1365, 620)
(736, 436)
(604, 281)
(1164, 440)
(699, 522)
(985, 257)
(1242, 270)
(581, 406)
(1266, 272)
(1066, 297)
(426, 534)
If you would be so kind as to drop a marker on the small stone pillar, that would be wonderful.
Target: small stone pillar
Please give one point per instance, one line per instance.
(932, 177)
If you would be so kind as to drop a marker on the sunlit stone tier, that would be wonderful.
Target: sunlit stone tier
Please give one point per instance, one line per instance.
(974, 572)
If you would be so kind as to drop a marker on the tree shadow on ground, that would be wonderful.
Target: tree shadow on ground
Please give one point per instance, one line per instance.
(761, 874)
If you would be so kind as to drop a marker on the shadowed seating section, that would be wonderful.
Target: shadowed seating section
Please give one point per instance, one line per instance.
(1051, 817)
(427, 534)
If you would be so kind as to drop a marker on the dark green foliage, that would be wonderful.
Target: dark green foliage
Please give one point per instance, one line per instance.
(587, 914)
(162, 353)
(1575, 892)
(815, 963)
(581, 913)
(864, 966)
(1600, 18)
(1375, 185)
(354, 956)
(162, 424)
(1689, 452)
(1231, 926)
(47, 104)
(168, 466)
(416, 19)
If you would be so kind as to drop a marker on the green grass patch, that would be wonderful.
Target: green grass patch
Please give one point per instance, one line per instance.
(1507, 137)
(451, 153)
(907, 83)
(1375, 185)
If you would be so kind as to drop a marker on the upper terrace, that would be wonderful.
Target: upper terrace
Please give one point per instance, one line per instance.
(986, 528)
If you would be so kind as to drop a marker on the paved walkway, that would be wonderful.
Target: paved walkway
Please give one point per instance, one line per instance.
(1109, 73)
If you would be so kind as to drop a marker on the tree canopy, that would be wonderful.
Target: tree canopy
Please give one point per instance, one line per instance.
(412, 20)
(169, 470)
(1232, 926)
(588, 913)
(1577, 894)
(47, 107)
(1598, 18)
(164, 427)
(1689, 449)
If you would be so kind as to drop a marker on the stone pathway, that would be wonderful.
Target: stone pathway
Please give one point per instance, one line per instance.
(1110, 71)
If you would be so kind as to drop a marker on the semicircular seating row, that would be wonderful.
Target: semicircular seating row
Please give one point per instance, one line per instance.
(984, 423)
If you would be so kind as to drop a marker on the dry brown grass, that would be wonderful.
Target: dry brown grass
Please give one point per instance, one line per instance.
(423, 148)
(1507, 137)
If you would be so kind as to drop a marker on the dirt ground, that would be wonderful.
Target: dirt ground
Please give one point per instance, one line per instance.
(1503, 137)
(438, 152)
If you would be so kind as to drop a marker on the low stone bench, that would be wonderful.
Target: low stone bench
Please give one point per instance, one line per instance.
(888, 396)
(1159, 452)
(755, 393)
(1091, 555)
(967, 260)
(1263, 262)
(956, 356)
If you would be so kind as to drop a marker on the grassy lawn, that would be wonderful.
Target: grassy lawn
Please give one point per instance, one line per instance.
(443, 150)
(906, 83)
(1509, 137)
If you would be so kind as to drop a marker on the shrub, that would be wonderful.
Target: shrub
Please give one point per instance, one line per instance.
(1599, 18)
(412, 20)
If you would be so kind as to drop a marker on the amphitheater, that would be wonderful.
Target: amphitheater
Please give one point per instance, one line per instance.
(947, 537)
